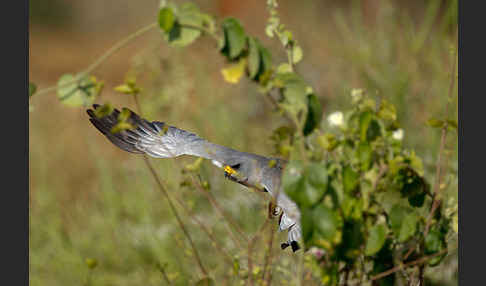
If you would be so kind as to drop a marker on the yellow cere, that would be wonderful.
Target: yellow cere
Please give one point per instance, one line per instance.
(229, 170)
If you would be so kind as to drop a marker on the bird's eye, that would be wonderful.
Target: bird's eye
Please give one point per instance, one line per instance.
(236, 166)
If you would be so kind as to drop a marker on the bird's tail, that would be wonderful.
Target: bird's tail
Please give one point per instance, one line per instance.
(156, 139)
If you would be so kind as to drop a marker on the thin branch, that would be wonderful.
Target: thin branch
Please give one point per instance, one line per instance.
(120, 44)
(162, 270)
(163, 189)
(437, 199)
(207, 231)
(179, 220)
(251, 243)
(413, 263)
(216, 205)
(268, 259)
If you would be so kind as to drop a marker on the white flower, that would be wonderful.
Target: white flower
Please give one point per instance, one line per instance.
(336, 118)
(398, 134)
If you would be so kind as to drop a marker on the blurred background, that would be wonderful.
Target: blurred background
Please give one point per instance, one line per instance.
(90, 200)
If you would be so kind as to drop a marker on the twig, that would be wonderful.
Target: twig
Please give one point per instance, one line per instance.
(250, 250)
(179, 220)
(101, 59)
(171, 205)
(415, 262)
(207, 231)
(421, 275)
(216, 205)
(162, 270)
(268, 259)
(437, 200)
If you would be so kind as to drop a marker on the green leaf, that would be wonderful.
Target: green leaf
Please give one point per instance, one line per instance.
(234, 38)
(417, 200)
(293, 179)
(120, 126)
(408, 227)
(124, 114)
(314, 114)
(166, 19)
(124, 88)
(376, 239)
(364, 153)
(325, 222)
(350, 179)
(76, 93)
(452, 124)
(435, 242)
(364, 122)
(104, 110)
(91, 263)
(327, 141)
(412, 186)
(253, 58)
(266, 59)
(373, 131)
(317, 179)
(205, 282)
(307, 223)
(396, 217)
(32, 89)
(436, 123)
(294, 91)
(187, 14)
(305, 185)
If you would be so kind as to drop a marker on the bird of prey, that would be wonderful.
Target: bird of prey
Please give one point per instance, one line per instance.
(159, 140)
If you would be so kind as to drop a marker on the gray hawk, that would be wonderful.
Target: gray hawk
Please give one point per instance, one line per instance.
(159, 140)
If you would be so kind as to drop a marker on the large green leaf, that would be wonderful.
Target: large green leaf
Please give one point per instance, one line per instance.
(295, 92)
(234, 38)
(293, 179)
(314, 114)
(184, 30)
(305, 185)
(326, 222)
(376, 239)
(364, 122)
(403, 222)
(307, 223)
(266, 59)
(408, 227)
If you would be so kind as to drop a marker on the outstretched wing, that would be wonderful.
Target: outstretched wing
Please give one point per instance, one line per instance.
(159, 140)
